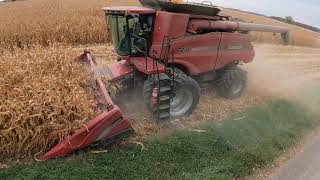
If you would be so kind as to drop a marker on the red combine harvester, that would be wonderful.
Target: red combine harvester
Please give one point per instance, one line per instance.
(169, 49)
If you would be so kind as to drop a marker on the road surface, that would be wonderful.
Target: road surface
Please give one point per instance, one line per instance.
(304, 166)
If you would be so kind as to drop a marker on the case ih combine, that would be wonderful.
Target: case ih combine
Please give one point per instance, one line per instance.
(169, 49)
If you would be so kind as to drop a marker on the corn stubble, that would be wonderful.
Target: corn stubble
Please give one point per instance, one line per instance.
(44, 97)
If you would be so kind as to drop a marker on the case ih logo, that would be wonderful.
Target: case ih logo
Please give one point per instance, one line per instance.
(183, 49)
(235, 47)
(213, 48)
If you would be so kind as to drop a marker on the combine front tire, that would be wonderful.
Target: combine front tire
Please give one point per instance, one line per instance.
(231, 82)
(173, 101)
(185, 95)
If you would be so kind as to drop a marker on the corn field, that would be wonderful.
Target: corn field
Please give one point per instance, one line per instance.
(25, 23)
(44, 97)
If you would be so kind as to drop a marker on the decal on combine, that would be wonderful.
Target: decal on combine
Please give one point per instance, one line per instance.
(235, 47)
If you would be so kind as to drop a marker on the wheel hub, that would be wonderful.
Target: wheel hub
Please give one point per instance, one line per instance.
(236, 88)
(181, 101)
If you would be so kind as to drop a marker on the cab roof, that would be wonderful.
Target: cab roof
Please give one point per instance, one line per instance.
(128, 10)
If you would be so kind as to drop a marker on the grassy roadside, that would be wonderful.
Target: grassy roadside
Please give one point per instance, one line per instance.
(228, 150)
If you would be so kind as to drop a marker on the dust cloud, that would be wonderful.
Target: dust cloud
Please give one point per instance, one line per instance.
(276, 72)
(286, 72)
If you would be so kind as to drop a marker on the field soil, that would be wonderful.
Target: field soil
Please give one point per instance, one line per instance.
(276, 72)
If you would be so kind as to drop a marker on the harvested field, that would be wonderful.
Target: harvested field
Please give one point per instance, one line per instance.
(44, 97)
(24, 23)
(276, 72)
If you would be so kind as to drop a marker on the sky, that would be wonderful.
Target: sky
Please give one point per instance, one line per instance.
(305, 11)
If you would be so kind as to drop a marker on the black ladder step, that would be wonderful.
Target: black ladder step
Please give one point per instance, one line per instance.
(164, 98)
(164, 106)
(165, 88)
(164, 115)
(162, 109)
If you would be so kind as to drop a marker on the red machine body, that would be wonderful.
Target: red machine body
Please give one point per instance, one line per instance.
(193, 52)
(200, 44)
(199, 53)
(197, 45)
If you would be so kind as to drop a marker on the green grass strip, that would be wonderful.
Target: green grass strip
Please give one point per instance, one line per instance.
(227, 150)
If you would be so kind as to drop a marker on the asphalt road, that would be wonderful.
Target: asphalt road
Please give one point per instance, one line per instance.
(304, 166)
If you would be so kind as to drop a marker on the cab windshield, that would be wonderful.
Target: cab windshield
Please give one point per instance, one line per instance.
(131, 34)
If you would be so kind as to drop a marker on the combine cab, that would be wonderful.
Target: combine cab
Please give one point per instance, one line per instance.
(172, 49)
